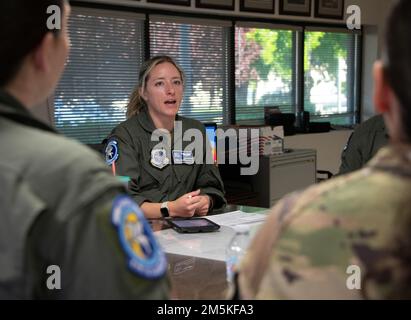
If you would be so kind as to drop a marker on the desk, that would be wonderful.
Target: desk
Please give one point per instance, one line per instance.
(200, 273)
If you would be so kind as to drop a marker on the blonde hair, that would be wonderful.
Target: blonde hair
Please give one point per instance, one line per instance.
(136, 102)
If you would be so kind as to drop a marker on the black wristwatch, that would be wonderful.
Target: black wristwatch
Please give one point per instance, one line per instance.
(164, 210)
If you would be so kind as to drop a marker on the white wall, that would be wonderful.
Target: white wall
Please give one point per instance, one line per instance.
(372, 10)
(328, 145)
(370, 55)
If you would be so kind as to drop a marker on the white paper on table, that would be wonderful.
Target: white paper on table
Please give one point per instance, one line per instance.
(235, 218)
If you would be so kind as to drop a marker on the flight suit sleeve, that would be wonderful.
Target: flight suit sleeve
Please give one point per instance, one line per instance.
(209, 180)
(93, 261)
(128, 163)
(351, 157)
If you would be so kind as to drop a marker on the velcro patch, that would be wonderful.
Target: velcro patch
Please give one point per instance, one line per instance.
(145, 257)
(111, 151)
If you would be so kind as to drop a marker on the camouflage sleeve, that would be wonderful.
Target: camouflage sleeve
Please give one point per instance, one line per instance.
(299, 253)
(256, 261)
(100, 258)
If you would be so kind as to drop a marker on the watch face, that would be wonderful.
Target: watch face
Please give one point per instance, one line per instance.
(164, 209)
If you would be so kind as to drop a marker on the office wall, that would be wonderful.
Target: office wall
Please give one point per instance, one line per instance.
(370, 55)
(372, 10)
(329, 146)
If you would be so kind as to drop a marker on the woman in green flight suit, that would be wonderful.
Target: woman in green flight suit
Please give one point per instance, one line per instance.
(169, 176)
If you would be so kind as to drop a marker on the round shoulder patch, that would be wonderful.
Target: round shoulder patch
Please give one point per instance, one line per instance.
(145, 257)
(111, 151)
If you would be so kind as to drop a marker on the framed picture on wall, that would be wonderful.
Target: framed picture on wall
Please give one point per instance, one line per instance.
(295, 7)
(331, 9)
(265, 6)
(216, 4)
(177, 2)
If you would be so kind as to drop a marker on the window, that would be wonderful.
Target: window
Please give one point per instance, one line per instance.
(102, 70)
(201, 49)
(264, 71)
(286, 66)
(329, 76)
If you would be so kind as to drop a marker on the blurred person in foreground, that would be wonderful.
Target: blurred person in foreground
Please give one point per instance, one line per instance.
(349, 238)
(67, 230)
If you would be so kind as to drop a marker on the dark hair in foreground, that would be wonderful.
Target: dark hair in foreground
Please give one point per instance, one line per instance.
(398, 58)
(23, 24)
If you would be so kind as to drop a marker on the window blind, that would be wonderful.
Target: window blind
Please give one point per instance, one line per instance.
(101, 72)
(201, 49)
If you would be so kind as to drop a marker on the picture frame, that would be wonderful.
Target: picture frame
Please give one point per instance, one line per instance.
(176, 2)
(260, 6)
(295, 7)
(215, 4)
(329, 9)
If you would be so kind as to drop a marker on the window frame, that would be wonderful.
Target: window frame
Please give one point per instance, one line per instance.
(355, 87)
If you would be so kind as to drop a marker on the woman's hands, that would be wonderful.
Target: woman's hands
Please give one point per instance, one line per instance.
(190, 204)
(203, 205)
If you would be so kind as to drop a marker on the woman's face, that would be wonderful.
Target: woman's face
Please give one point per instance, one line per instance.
(164, 90)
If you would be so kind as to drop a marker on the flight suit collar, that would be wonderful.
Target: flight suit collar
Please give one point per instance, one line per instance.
(146, 122)
(13, 110)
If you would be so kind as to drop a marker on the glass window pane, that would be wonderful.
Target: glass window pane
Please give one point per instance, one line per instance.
(264, 71)
(329, 75)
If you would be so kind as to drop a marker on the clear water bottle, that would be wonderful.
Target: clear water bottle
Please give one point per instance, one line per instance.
(236, 249)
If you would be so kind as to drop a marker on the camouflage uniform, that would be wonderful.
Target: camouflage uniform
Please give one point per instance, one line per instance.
(311, 238)
(363, 144)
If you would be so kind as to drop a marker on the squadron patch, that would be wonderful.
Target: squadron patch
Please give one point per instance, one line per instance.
(159, 158)
(111, 152)
(145, 258)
